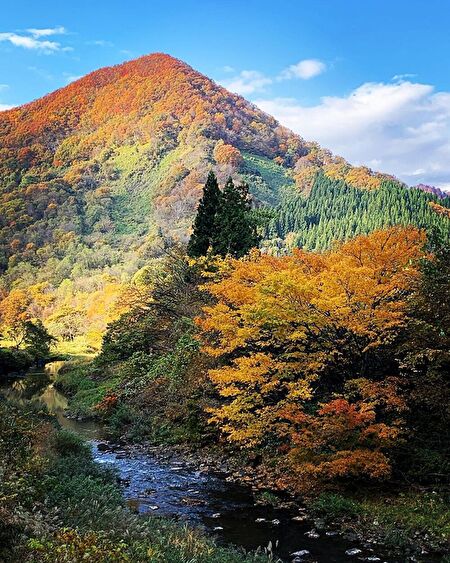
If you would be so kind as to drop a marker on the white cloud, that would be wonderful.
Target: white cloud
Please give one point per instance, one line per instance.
(33, 41)
(402, 77)
(100, 43)
(401, 128)
(45, 32)
(251, 81)
(248, 82)
(306, 69)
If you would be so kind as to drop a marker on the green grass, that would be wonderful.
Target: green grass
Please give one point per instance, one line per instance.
(76, 348)
(137, 184)
(330, 506)
(408, 515)
(265, 177)
(131, 189)
(400, 520)
(85, 391)
(267, 498)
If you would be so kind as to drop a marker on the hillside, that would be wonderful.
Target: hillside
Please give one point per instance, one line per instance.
(96, 176)
(441, 194)
(126, 149)
(124, 152)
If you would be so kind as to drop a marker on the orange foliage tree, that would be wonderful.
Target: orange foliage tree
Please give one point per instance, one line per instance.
(14, 313)
(300, 342)
(227, 154)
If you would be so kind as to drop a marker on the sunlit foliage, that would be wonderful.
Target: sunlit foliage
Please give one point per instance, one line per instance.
(303, 340)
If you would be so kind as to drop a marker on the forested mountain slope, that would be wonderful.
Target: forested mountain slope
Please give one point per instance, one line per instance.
(97, 176)
(334, 211)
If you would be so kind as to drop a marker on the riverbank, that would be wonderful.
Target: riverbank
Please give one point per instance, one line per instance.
(59, 505)
(399, 524)
(203, 486)
(187, 488)
(411, 523)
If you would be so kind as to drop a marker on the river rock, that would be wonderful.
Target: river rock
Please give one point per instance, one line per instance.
(300, 553)
(275, 522)
(193, 501)
(353, 551)
(299, 518)
(103, 447)
(259, 520)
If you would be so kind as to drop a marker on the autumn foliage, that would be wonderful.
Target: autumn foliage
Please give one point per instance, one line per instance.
(301, 345)
(439, 209)
(227, 154)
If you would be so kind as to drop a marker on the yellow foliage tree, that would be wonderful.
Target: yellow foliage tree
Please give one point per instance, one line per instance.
(296, 338)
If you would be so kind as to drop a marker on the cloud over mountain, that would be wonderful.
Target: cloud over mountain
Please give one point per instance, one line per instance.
(402, 127)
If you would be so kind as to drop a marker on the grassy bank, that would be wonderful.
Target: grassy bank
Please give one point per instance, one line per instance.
(408, 522)
(413, 522)
(58, 505)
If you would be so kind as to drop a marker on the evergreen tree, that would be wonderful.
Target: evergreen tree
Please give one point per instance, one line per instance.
(235, 229)
(204, 223)
(336, 211)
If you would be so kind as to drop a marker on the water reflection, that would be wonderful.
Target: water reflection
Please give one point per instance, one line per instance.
(38, 387)
(176, 488)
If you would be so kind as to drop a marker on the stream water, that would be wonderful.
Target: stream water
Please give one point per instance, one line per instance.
(176, 488)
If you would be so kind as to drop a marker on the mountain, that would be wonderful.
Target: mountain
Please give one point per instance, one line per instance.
(94, 176)
(136, 139)
(441, 194)
(124, 152)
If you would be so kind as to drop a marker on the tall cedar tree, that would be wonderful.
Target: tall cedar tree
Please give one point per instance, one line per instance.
(235, 231)
(204, 223)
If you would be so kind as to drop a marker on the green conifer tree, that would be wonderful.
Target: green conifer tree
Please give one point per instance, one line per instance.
(204, 223)
(235, 229)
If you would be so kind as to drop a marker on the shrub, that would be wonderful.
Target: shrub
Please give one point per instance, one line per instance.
(332, 505)
(67, 443)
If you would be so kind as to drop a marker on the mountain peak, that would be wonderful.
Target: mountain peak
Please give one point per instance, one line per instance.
(104, 167)
(140, 93)
(441, 194)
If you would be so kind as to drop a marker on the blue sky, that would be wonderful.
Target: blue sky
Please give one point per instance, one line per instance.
(369, 79)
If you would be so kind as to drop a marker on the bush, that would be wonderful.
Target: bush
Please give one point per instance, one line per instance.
(14, 361)
(332, 505)
(67, 443)
(84, 386)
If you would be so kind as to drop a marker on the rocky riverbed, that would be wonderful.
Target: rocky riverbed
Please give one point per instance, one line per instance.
(235, 503)
(209, 492)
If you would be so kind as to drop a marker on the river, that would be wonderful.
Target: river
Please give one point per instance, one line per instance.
(176, 488)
